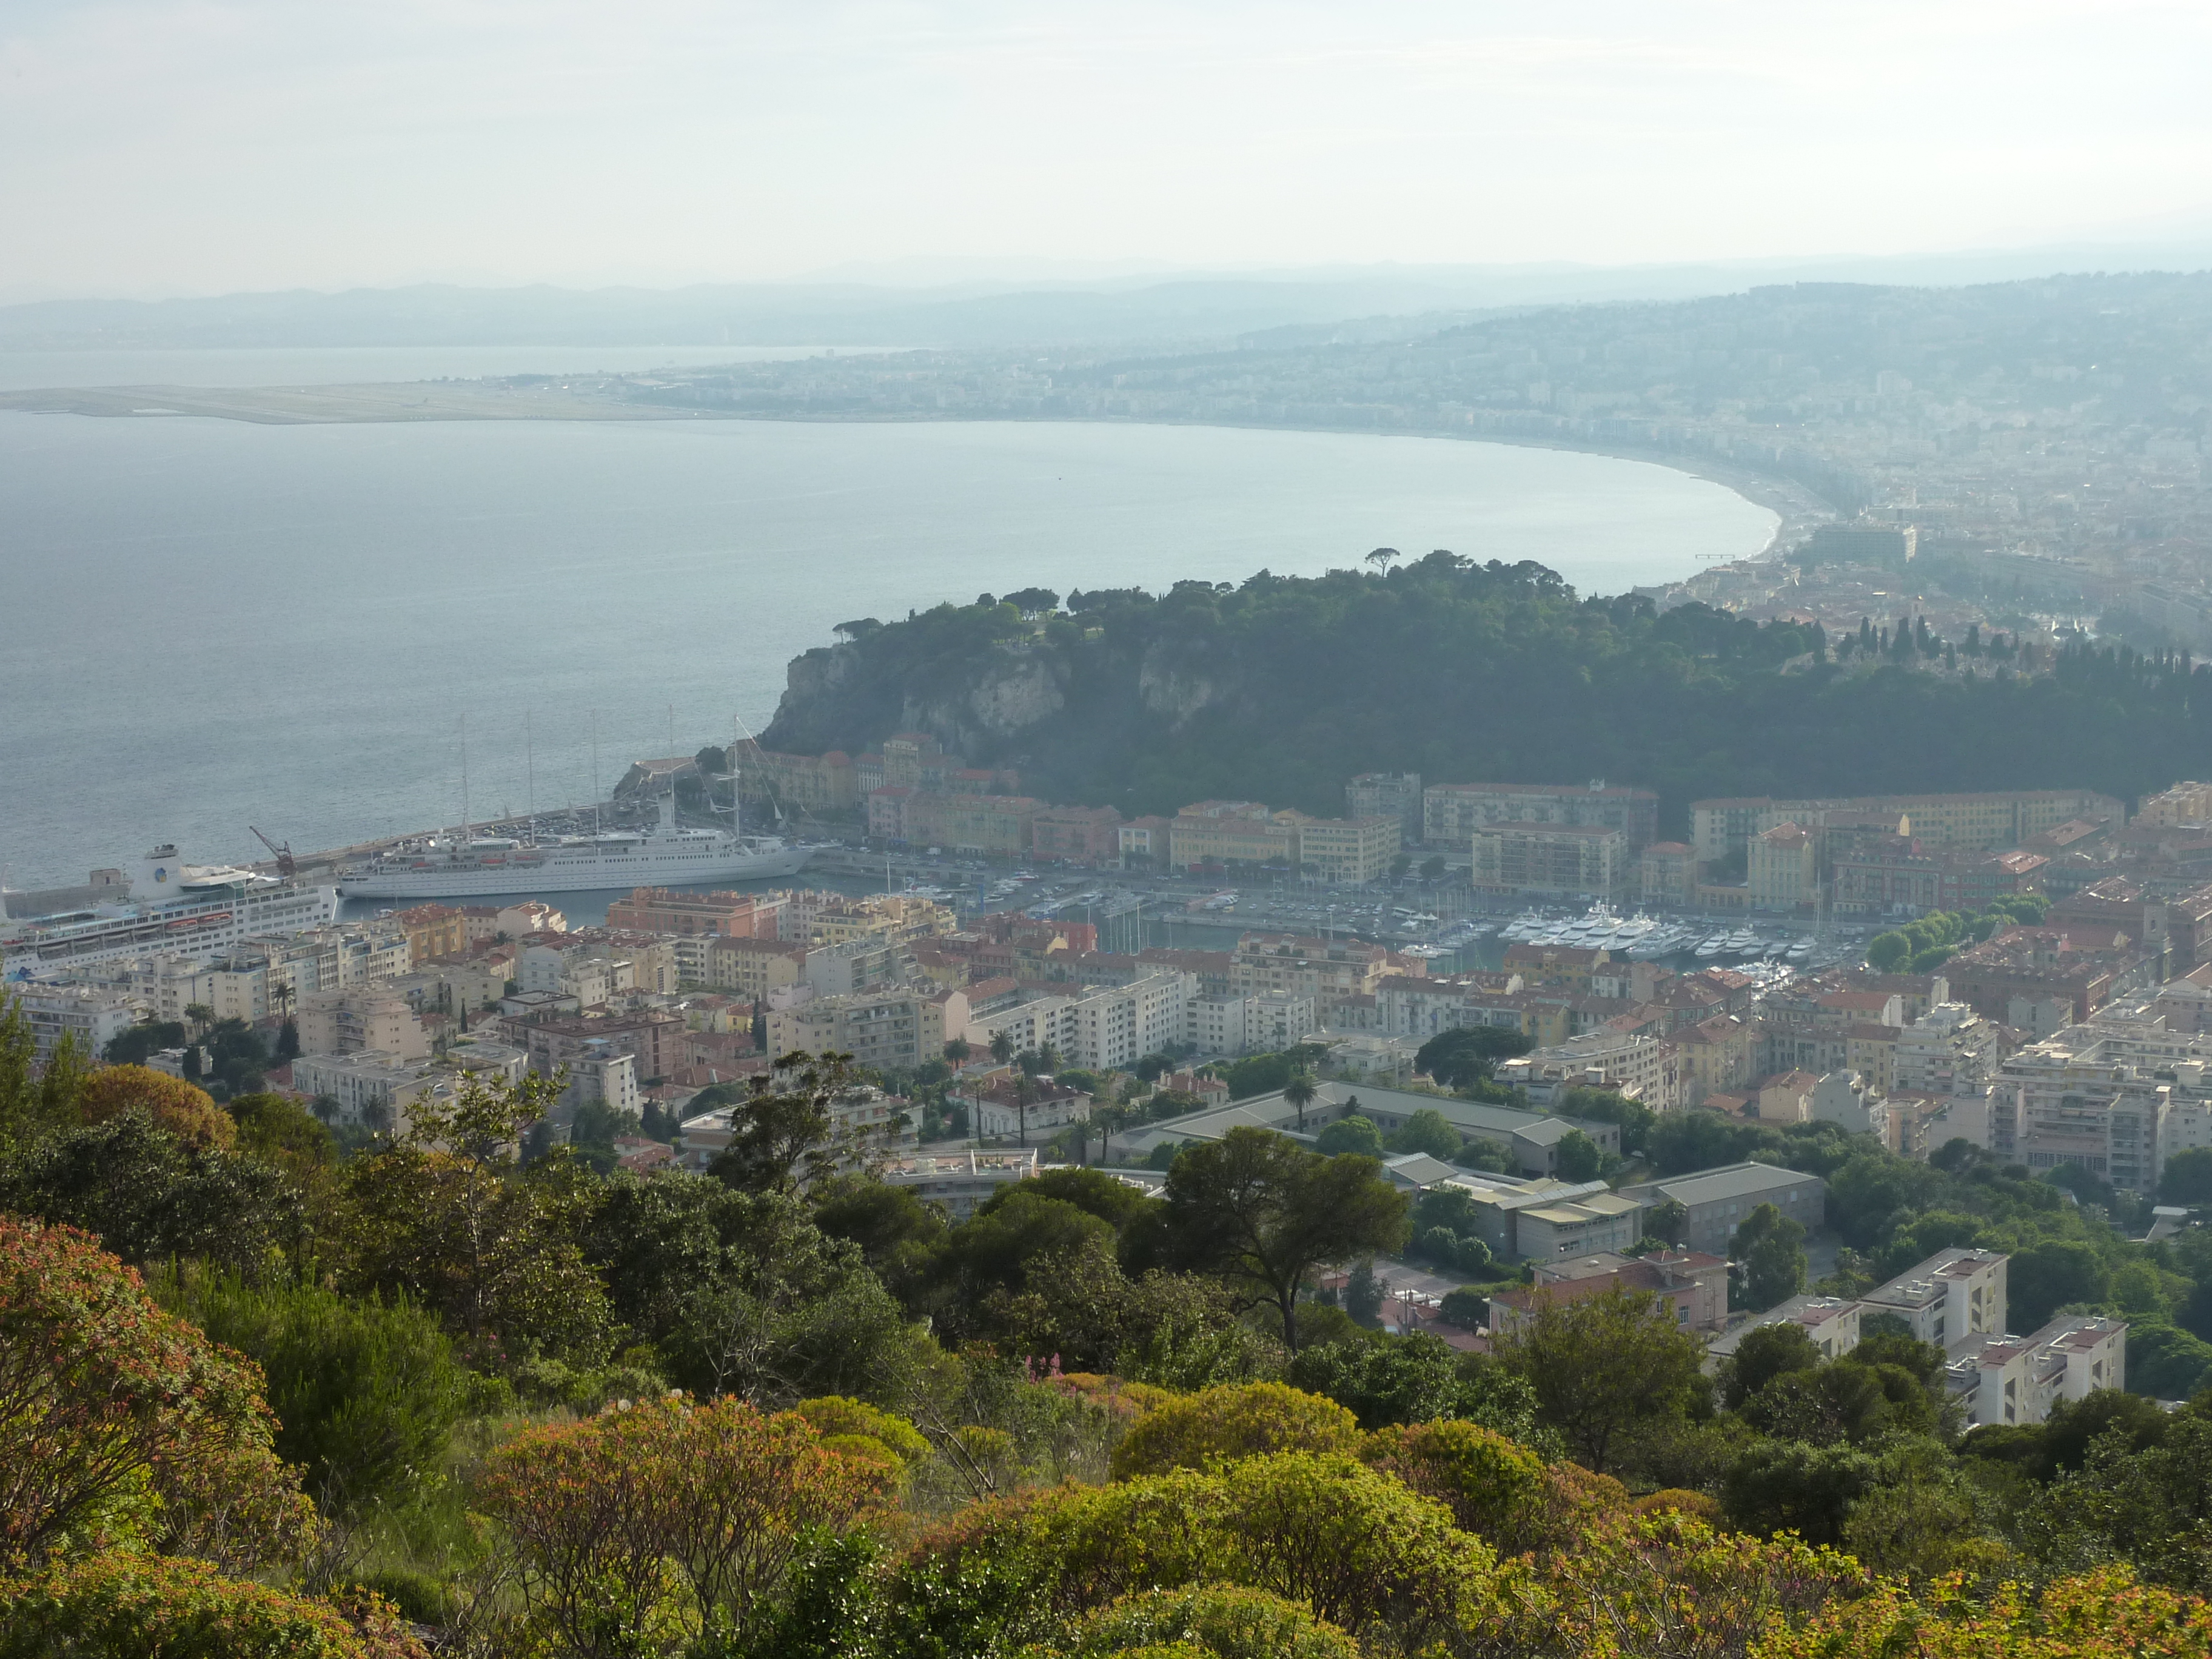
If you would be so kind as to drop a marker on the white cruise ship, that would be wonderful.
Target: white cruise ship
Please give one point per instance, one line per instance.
(171, 905)
(665, 856)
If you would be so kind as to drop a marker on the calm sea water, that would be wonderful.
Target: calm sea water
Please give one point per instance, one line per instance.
(205, 624)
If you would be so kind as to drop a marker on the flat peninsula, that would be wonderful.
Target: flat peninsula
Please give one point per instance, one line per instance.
(306, 405)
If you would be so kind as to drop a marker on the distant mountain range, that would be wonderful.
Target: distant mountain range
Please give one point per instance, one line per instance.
(1377, 301)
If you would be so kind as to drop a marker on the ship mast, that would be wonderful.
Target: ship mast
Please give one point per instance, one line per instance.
(737, 799)
(465, 783)
(530, 771)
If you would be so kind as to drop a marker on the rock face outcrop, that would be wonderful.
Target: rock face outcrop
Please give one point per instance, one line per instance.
(1020, 687)
(994, 705)
(1169, 685)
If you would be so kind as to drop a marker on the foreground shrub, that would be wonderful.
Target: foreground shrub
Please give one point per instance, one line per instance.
(122, 1424)
(667, 1516)
(1667, 1585)
(187, 1112)
(150, 1607)
(365, 1393)
(1218, 1620)
(1237, 1420)
(2102, 1615)
(1493, 1487)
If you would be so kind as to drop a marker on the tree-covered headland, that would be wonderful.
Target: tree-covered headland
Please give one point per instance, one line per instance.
(1281, 688)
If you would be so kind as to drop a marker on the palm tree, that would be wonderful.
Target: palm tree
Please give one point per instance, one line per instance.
(1300, 1092)
(200, 1015)
(1024, 1092)
(1002, 1047)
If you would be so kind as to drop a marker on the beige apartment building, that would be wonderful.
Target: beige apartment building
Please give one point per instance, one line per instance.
(1347, 852)
(2184, 803)
(365, 1017)
(1328, 971)
(1961, 822)
(1670, 871)
(824, 918)
(1206, 834)
(1562, 859)
(903, 1027)
(754, 966)
(1452, 812)
(1781, 868)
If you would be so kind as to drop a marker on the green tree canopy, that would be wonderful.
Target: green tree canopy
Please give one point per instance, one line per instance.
(1607, 1369)
(1355, 1136)
(1770, 1248)
(1260, 1211)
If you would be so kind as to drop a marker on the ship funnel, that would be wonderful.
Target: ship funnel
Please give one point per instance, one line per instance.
(159, 874)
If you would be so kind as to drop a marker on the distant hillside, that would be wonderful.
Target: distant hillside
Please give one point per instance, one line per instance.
(1281, 689)
(1162, 309)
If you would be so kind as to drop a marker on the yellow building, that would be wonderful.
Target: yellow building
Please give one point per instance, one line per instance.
(1670, 869)
(972, 824)
(820, 918)
(1346, 852)
(2184, 803)
(754, 966)
(1717, 1054)
(1984, 821)
(814, 783)
(1871, 1051)
(434, 930)
(1196, 838)
(1782, 867)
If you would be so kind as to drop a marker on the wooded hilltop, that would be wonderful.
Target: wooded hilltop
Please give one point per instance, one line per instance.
(1281, 689)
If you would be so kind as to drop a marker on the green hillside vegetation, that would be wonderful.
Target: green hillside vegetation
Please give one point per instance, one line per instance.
(261, 1396)
(1282, 688)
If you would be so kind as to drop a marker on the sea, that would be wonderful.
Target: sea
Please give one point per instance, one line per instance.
(325, 631)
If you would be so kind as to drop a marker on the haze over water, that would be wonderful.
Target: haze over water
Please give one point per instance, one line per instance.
(209, 624)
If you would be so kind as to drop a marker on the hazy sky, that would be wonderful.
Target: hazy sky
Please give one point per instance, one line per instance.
(157, 147)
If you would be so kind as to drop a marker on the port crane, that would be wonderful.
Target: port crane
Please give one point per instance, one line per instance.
(287, 866)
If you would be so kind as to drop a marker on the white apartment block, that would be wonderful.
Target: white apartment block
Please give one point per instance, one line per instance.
(882, 1124)
(573, 971)
(1234, 1025)
(370, 1087)
(2020, 1379)
(995, 1119)
(1405, 1007)
(1645, 1068)
(2116, 1097)
(903, 1027)
(602, 1076)
(94, 1017)
(1950, 1299)
(380, 1090)
(1949, 1051)
(337, 957)
(871, 963)
(1113, 1025)
(1831, 1323)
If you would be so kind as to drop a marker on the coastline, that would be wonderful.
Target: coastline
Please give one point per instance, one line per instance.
(1796, 508)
